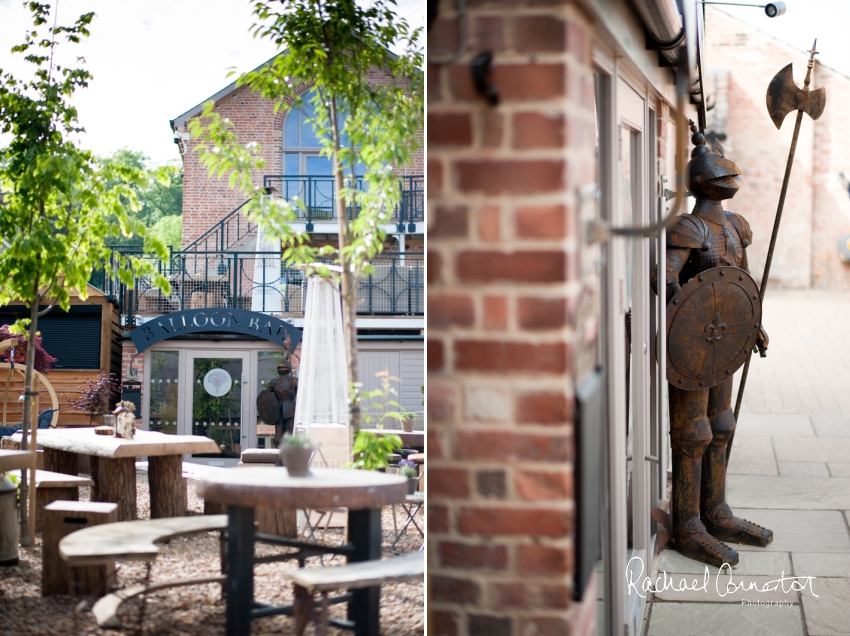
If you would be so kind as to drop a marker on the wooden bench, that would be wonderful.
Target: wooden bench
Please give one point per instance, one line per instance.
(50, 487)
(309, 581)
(135, 541)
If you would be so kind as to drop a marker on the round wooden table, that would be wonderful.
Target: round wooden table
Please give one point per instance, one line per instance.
(362, 492)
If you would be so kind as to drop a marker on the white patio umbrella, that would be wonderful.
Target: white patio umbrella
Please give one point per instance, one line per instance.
(265, 296)
(323, 374)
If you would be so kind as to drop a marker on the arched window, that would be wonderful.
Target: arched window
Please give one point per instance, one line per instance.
(301, 147)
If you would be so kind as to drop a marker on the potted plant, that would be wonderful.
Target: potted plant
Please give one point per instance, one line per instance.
(407, 468)
(297, 453)
(95, 396)
(407, 421)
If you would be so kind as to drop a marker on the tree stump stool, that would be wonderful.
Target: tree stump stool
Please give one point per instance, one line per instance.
(61, 518)
(50, 487)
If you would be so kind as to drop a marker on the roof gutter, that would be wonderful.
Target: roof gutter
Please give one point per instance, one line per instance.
(664, 25)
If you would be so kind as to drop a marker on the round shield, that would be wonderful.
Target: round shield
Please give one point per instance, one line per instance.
(712, 324)
(268, 407)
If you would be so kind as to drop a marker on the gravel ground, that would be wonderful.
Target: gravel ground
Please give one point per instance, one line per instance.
(194, 610)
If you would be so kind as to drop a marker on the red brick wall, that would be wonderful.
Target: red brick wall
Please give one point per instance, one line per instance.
(831, 216)
(206, 199)
(502, 286)
(761, 151)
(128, 352)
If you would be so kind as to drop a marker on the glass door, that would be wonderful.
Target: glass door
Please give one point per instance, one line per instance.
(216, 404)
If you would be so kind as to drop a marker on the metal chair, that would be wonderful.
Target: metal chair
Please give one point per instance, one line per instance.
(411, 506)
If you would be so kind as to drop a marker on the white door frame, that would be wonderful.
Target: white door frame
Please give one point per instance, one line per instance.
(190, 349)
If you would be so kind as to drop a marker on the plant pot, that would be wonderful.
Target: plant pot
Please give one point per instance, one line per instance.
(297, 461)
(407, 425)
(412, 485)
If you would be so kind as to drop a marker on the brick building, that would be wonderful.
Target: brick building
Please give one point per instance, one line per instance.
(741, 61)
(227, 274)
(547, 441)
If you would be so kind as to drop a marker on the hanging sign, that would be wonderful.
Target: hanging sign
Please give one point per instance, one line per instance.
(249, 323)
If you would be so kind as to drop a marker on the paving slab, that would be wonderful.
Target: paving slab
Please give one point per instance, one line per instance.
(839, 469)
(752, 456)
(773, 424)
(821, 564)
(828, 613)
(798, 530)
(700, 619)
(808, 469)
(813, 449)
(831, 425)
(798, 492)
(750, 562)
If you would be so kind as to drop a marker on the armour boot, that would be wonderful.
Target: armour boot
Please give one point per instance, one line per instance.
(722, 524)
(696, 543)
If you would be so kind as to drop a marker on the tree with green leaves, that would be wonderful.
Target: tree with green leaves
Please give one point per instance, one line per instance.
(332, 46)
(58, 206)
(159, 196)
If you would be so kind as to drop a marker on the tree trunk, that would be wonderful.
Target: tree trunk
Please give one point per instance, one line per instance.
(116, 482)
(348, 282)
(165, 478)
(59, 461)
(349, 321)
(26, 497)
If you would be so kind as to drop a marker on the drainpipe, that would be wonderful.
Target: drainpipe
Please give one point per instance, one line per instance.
(664, 24)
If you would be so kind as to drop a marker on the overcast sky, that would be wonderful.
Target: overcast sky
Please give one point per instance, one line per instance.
(804, 21)
(152, 60)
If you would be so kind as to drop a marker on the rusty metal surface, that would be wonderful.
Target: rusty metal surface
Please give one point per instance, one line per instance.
(783, 97)
(268, 407)
(712, 325)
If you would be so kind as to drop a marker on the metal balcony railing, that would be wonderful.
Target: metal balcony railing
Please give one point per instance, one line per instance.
(260, 282)
(317, 195)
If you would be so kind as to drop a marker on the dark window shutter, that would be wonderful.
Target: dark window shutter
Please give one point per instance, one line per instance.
(72, 338)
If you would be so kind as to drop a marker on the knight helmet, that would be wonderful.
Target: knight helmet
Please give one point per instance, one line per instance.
(710, 174)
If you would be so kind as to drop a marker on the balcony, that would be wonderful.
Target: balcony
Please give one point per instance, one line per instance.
(258, 281)
(235, 232)
(317, 193)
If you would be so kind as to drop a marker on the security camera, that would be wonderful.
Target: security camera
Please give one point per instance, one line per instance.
(774, 9)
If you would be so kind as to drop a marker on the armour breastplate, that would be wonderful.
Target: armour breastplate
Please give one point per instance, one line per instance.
(723, 247)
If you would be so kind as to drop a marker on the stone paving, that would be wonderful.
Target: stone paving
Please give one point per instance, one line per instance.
(789, 471)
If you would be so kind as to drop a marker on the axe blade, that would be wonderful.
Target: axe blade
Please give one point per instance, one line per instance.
(784, 96)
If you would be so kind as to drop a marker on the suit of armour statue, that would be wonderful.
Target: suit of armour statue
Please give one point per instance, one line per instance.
(701, 421)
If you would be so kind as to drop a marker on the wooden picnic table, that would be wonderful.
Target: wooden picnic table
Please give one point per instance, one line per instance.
(362, 492)
(113, 465)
